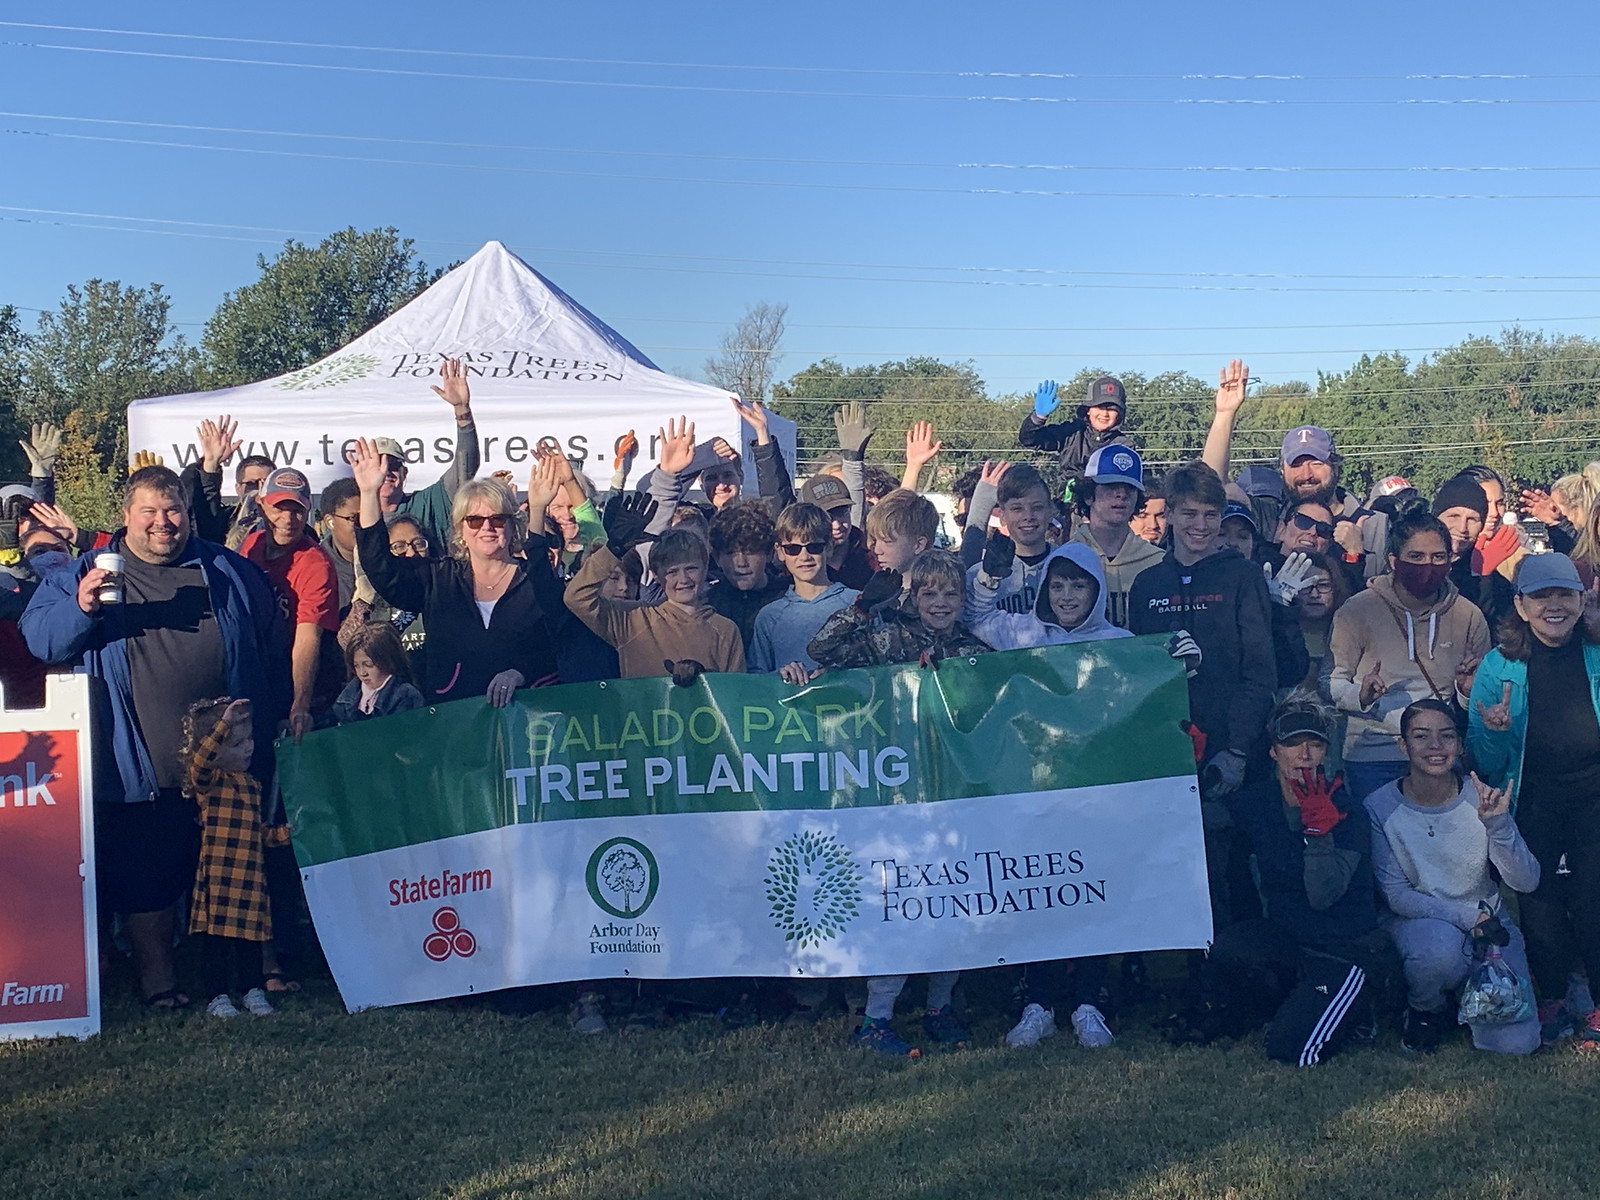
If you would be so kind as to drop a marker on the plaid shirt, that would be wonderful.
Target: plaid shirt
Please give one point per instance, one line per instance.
(230, 888)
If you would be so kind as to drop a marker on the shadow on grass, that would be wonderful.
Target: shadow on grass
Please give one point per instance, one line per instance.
(462, 1102)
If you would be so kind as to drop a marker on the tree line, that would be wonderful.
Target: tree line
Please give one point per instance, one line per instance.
(1522, 401)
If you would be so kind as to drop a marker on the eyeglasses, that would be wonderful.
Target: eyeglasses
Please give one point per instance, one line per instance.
(352, 517)
(476, 521)
(420, 545)
(1322, 588)
(1321, 528)
(794, 548)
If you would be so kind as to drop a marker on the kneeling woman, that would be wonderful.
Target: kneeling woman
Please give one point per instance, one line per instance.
(1435, 838)
(1311, 966)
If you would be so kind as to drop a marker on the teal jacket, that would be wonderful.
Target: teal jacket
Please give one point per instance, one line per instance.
(1497, 756)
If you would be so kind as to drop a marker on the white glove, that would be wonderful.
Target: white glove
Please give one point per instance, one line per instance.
(42, 447)
(1292, 578)
(1185, 647)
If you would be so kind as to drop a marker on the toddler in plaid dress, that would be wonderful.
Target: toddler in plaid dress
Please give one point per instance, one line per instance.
(228, 909)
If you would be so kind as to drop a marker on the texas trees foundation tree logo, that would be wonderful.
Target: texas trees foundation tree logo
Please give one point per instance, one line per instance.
(330, 372)
(448, 937)
(622, 877)
(814, 887)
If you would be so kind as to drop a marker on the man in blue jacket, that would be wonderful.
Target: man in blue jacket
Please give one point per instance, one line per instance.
(194, 622)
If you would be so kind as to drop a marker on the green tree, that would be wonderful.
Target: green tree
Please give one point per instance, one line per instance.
(13, 342)
(106, 346)
(309, 301)
(749, 352)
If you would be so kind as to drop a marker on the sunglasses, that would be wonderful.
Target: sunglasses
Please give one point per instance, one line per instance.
(1321, 528)
(476, 521)
(794, 548)
(420, 545)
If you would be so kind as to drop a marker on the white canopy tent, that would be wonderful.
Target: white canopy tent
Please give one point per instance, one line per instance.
(540, 365)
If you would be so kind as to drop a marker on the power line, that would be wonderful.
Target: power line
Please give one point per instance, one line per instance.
(783, 161)
(806, 185)
(700, 66)
(825, 95)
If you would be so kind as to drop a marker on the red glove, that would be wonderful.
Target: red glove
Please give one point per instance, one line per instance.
(1489, 553)
(1318, 813)
(1197, 738)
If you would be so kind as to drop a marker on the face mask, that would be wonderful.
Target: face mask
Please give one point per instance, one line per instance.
(1422, 580)
(48, 560)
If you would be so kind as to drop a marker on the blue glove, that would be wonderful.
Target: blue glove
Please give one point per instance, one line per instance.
(1045, 399)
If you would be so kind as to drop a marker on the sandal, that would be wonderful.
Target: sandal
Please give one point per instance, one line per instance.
(285, 985)
(171, 1000)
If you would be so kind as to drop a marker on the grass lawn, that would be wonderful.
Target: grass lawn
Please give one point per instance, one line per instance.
(461, 1101)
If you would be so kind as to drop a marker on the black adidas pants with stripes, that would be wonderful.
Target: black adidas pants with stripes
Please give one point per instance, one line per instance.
(1312, 999)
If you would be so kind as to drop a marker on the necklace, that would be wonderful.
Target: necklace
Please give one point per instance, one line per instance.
(492, 588)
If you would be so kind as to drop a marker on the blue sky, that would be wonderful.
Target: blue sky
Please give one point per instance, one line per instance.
(636, 187)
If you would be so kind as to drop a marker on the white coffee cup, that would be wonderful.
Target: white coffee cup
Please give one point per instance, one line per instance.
(110, 562)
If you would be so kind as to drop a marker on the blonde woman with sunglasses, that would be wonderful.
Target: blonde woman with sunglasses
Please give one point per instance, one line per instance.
(493, 608)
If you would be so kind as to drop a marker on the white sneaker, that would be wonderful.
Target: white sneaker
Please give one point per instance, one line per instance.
(1090, 1026)
(221, 1006)
(1036, 1023)
(256, 1001)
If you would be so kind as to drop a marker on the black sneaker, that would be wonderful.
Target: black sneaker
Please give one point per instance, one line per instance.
(1424, 1032)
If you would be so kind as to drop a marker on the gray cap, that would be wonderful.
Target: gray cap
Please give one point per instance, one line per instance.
(1537, 572)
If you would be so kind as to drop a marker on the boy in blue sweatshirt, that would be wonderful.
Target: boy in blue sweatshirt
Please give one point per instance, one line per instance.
(784, 629)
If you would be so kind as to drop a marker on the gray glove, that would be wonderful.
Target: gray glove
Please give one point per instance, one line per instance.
(850, 421)
(42, 447)
(1223, 774)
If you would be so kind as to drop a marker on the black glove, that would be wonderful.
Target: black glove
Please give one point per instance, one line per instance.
(625, 520)
(883, 587)
(684, 672)
(999, 552)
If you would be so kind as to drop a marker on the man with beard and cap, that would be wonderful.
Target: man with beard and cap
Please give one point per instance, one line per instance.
(1464, 508)
(1098, 423)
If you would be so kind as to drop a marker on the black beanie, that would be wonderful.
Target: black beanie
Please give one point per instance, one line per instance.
(1462, 492)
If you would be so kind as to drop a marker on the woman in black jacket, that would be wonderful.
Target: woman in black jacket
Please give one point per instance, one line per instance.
(492, 616)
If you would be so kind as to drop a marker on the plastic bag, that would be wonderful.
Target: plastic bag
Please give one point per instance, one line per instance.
(1494, 993)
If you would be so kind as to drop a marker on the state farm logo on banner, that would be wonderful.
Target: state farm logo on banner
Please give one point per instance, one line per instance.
(448, 937)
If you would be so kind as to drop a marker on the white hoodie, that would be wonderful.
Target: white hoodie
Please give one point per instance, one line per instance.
(1016, 631)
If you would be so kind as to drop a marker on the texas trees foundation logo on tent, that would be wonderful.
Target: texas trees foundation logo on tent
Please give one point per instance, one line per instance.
(814, 888)
(622, 877)
(330, 372)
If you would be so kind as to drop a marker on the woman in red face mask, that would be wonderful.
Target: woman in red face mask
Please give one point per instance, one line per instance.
(1410, 636)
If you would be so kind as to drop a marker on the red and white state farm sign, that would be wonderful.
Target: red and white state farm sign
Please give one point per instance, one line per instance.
(49, 978)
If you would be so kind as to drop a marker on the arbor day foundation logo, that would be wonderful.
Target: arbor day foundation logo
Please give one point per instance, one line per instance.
(328, 373)
(622, 877)
(814, 888)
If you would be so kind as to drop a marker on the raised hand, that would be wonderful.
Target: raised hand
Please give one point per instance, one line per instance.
(1539, 505)
(367, 466)
(1318, 813)
(237, 710)
(1347, 534)
(756, 416)
(146, 458)
(1372, 686)
(627, 447)
(626, 518)
(1231, 384)
(1045, 399)
(558, 460)
(920, 447)
(850, 423)
(1492, 801)
(217, 443)
(57, 519)
(455, 391)
(999, 555)
(677, 445)
(992, 472)
(544, 482)
(1466, 672)
(723, 449)
(42, 448)
(1497, 717)
(1292, 578)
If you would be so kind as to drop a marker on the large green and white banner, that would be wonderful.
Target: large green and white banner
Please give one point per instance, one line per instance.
(1014, 807)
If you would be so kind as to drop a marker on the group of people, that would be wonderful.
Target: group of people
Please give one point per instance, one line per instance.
(1394, 700)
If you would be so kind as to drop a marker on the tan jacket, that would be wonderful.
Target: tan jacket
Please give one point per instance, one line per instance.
(1121, 569)
(1412, 644)
(647, 636)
